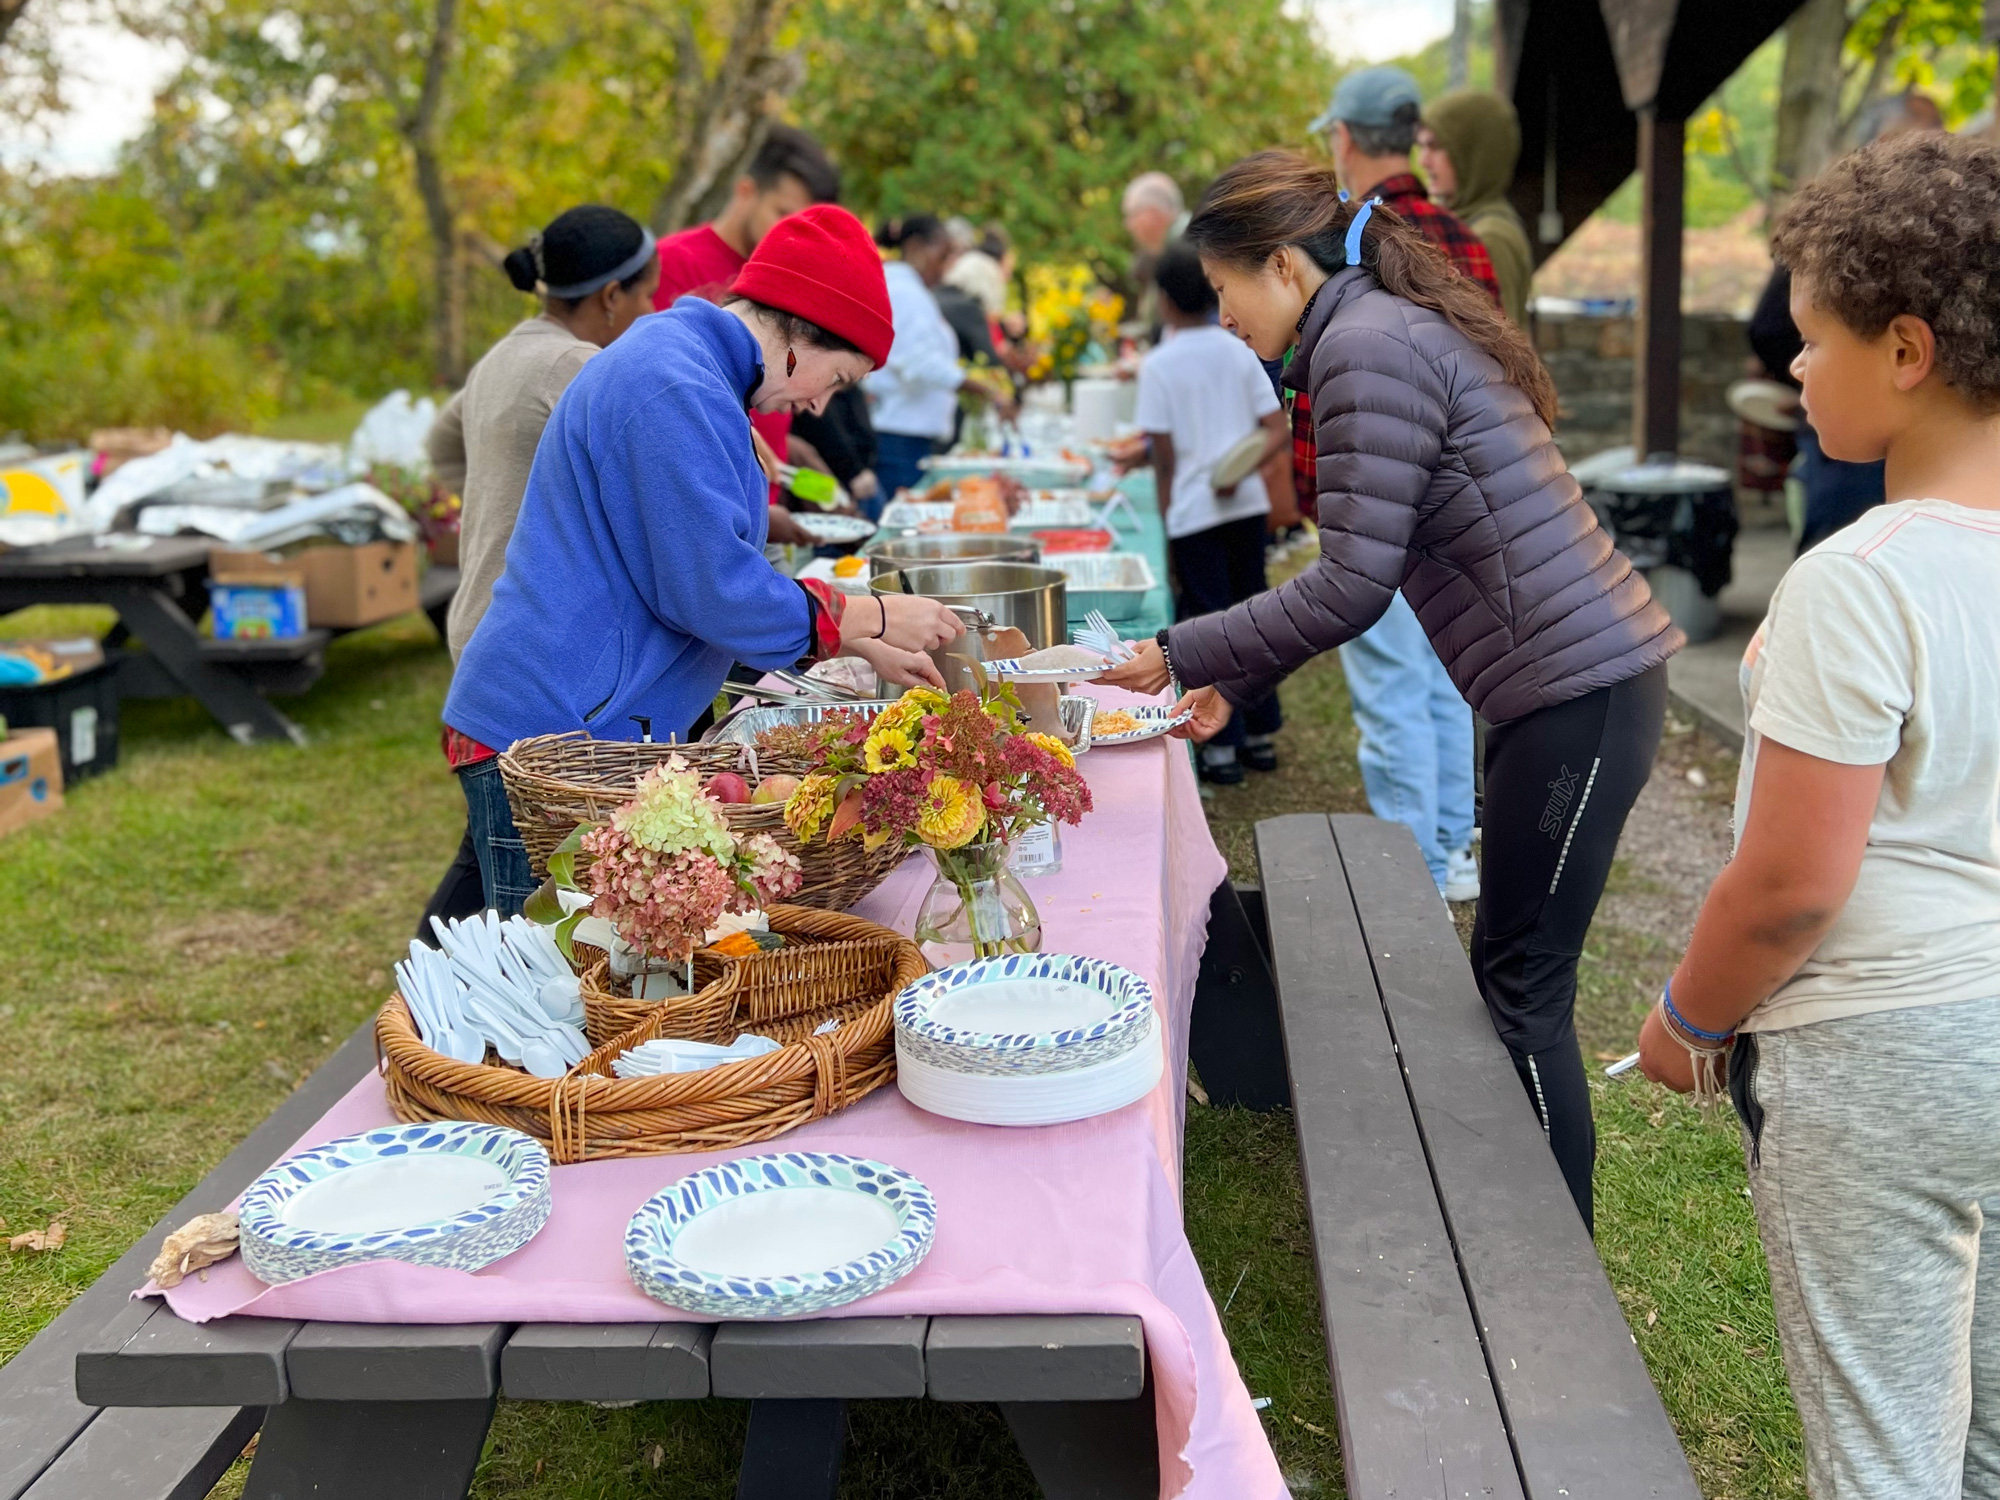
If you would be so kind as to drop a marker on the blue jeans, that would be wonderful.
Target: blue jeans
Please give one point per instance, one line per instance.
(503, 859)
(896, 457)
(1416, 734)
(1838, 493)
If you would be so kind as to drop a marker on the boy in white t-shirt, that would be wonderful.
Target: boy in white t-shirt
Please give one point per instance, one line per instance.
(1201, 394)
(1848, 959)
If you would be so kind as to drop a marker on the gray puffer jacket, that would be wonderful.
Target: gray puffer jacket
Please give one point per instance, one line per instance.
(1436, 477)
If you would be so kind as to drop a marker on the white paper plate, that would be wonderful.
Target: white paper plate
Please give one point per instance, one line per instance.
(1154, 721)
(394, 1192)
(1238, 462)
(778, 1235)
(1034, 1098)
(456, 1194)
(834, 531)
(1009, 668)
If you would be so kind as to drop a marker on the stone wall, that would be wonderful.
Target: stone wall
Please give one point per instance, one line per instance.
(1591, 360)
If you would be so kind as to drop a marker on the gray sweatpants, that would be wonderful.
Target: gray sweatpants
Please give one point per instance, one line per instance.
(1875, 1169)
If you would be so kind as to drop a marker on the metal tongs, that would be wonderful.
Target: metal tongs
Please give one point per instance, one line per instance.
(799, 688)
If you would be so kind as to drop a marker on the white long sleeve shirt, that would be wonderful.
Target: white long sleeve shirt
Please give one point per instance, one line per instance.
(916, 392)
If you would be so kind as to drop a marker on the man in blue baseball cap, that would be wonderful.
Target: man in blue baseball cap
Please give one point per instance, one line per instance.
(1416, 735)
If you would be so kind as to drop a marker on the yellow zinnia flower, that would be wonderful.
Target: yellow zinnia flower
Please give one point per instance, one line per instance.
(888, 750)
(1054, 746)
(930, 700)
(809, 806)
(952, 814)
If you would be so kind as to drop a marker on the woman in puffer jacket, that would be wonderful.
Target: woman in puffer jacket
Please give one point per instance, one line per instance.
(1438, 476)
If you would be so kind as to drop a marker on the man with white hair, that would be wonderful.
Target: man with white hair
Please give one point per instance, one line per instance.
(1155, 214)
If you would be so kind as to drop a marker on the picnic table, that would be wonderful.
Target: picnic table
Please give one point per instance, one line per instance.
(1080, 1312)
(1475, 1343)
(158, 587)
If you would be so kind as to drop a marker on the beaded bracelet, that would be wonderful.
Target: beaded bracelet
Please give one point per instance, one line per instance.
(1681, 1023)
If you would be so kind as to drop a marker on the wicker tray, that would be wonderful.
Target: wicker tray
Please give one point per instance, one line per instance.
(823, 963)
(557, 781)
(591, 1114)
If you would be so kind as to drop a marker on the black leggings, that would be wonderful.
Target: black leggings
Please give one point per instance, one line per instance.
(1559, 783)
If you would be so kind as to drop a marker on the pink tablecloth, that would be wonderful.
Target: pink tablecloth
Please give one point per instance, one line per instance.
(1081, 1218)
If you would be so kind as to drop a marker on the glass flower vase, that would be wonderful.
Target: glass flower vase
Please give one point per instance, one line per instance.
(976, 908)
(649, 976)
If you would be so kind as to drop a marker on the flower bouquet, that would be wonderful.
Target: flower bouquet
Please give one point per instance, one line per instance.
(1071, 319)
(959, 778)
(666, 868)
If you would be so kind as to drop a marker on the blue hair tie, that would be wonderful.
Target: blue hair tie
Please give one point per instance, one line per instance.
(1353, 246)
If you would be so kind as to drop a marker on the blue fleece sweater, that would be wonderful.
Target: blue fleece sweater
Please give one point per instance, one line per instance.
(636, 574)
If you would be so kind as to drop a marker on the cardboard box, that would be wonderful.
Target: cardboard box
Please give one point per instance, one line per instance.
(257, 609)
(346, 587)
(30, 778)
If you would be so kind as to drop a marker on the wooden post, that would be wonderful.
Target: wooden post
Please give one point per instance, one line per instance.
(1656, 393)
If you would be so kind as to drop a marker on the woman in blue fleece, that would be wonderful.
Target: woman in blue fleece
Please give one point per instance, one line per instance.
(636, 575)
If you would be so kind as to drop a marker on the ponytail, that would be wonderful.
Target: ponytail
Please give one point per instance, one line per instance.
(581, 250)
(1278, 198)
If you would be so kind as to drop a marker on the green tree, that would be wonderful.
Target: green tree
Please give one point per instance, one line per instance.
(1037, 112)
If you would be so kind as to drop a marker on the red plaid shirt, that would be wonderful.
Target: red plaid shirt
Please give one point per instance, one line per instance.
(1406, 194)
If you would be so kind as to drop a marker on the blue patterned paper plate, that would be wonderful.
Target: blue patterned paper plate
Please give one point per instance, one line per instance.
(373, 1196)
(965, 1049)
(768, 1237)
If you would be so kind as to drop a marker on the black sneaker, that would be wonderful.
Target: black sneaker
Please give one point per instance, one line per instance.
(1229, 773)
(1262, 757)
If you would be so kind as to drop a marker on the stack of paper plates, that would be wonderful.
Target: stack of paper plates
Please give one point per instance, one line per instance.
(1032, 1039)
(773, 1236)
(458, 1195)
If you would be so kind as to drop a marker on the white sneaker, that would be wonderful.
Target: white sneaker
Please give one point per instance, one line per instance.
(1461, 877)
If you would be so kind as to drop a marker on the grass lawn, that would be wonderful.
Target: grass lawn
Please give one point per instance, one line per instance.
(200, 928)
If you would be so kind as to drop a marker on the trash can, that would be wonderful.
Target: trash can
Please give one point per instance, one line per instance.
(1677, 522)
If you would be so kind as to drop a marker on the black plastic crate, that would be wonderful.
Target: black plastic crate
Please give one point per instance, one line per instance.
(82, 710)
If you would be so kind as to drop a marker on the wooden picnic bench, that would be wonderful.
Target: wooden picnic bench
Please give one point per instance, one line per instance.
(1475, 1344)
(122, 1400)
(159, 591)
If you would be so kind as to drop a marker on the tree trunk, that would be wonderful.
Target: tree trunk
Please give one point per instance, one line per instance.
(1808, 95)
(733, 108)
(424, 130)
(447, 271)
(1458, 65)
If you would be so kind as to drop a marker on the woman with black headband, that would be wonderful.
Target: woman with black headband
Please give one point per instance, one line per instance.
(594, 269)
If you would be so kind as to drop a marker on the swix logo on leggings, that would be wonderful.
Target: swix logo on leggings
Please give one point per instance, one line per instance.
(1562, 791)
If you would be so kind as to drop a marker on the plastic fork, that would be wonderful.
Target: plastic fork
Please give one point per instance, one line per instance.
(1100, 636)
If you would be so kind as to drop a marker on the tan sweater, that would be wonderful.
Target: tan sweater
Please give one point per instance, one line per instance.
(483, 445)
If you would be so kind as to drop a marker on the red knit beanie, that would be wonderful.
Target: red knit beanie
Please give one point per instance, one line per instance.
(821, 265)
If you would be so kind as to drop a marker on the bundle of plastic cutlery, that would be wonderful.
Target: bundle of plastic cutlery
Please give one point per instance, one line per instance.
(503, 983)
(1098, 634)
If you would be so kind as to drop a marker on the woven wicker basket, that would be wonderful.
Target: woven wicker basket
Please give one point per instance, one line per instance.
(557, 781)
(590, 1113)
(819, 964)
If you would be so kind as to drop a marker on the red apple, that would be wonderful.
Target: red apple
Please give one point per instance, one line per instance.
(727, 786)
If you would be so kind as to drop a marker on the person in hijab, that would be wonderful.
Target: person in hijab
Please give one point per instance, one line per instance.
(1467, 144)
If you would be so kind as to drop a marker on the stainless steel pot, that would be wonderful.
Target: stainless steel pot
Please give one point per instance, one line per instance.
(887, 552)
(1031, 599)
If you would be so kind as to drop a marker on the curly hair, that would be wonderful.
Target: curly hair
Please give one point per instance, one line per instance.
(1908, 225)
(1277, 198)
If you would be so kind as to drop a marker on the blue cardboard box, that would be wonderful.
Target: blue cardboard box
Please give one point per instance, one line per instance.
(258, 609)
